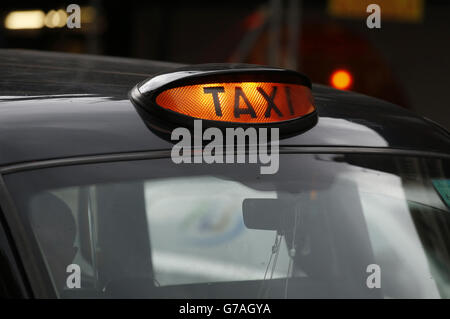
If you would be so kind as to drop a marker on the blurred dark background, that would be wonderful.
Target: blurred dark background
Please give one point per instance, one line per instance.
(406, 61)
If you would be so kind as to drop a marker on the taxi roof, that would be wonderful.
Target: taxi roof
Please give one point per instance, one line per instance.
(59, 105)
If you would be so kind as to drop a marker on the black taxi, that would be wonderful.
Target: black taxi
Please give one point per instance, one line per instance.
(119, 179)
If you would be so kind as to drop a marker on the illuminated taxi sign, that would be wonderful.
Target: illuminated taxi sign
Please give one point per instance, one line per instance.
(242, 102)
(229, 95)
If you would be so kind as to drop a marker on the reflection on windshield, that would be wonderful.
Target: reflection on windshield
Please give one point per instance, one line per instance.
(199, 236)
(146, 229)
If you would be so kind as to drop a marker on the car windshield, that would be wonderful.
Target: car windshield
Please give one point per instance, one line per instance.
(326, 225)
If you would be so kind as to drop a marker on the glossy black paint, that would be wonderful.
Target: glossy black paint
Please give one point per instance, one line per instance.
(55, 105)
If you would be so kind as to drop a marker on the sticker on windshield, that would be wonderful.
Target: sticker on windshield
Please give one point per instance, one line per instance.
(443, 188)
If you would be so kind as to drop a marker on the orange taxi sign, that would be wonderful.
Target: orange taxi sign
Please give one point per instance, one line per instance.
(225, 95)
(241, 102)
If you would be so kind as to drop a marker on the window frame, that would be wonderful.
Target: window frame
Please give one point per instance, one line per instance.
(35, 276)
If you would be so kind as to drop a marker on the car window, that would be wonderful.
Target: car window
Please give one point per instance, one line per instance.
(155, 229)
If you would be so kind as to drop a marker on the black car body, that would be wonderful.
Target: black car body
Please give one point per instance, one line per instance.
(66, 122)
